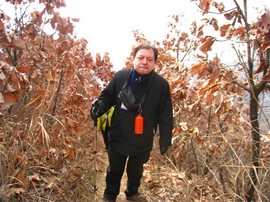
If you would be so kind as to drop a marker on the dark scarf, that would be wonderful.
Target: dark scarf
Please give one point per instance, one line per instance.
(135, 77)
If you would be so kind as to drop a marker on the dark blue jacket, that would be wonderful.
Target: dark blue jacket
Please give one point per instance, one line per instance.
(156, 111)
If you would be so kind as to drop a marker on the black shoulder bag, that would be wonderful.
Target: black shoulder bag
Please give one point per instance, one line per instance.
(127, 96)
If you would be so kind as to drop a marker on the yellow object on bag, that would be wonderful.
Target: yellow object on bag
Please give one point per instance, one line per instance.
(105, 120)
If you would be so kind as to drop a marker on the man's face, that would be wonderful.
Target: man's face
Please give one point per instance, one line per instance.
(144, 61)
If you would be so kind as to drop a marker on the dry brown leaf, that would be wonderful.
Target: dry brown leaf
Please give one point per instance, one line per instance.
(34, 178)
(35, 74)
(207, 45)
(48, 75)
(154, 183)
(267, 77)
(23, 69)
(13, 191)
(18, 43)
(198, 68)
(70, 154)
(263, 24)
(209, 98)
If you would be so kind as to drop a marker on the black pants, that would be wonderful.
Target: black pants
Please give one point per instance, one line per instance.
(116, 169)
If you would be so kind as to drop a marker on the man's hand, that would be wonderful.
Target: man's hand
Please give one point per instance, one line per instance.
(96, 111)
(93, 114)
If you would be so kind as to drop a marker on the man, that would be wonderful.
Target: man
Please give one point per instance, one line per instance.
(133, 92)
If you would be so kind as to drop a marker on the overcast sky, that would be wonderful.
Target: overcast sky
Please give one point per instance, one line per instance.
(107, 24)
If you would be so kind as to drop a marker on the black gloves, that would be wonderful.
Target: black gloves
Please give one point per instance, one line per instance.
(97, 110)
(163, 149)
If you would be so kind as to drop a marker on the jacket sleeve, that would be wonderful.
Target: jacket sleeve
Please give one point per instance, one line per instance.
(165, 118)
(108, 95)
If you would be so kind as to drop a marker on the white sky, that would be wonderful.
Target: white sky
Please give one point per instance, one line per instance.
(107, 24)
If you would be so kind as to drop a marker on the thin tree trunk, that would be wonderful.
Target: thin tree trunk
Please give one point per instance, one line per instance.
(253, 107)
(255, 156)
(58, 91)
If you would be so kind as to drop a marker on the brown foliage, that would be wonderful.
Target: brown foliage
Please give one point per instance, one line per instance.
(48, 81)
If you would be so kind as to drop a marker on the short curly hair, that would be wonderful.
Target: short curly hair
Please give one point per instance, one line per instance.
(146, 46)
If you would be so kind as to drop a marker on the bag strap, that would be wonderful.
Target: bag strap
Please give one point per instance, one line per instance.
(147, 88)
